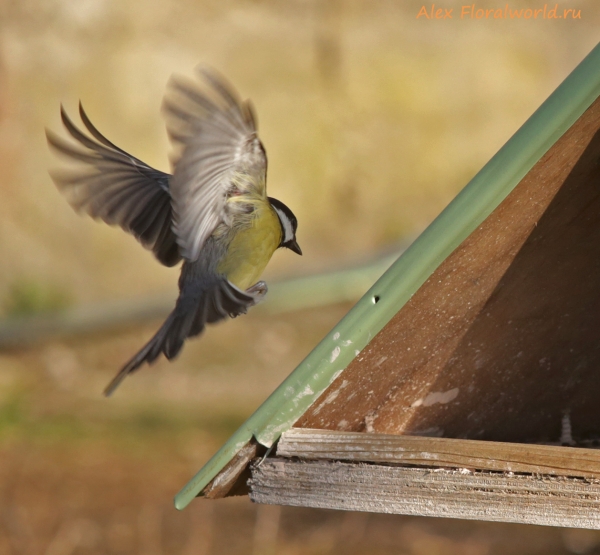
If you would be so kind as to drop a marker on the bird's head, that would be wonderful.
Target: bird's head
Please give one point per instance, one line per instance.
(289, 225)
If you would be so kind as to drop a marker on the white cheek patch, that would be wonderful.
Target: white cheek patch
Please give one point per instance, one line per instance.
(288, 230)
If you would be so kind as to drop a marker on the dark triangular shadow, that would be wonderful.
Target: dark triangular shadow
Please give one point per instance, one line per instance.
(532, 355)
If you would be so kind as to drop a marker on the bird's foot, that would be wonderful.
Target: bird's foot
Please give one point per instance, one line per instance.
(258, 291)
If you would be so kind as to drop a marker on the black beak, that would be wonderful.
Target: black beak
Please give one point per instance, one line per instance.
(294, 246)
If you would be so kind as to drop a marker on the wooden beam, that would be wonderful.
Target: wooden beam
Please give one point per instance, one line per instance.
(232, 479)
(494, 496)
(440, 452)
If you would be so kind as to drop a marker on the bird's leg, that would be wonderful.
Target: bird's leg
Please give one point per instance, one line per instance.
(258, 291)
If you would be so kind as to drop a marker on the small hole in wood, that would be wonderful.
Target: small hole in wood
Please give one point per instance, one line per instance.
(375, 299)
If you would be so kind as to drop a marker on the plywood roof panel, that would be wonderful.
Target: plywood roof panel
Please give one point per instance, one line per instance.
(504, 329)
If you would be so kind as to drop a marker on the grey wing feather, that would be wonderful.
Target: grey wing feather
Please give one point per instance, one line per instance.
(110, 184)
(215, 133)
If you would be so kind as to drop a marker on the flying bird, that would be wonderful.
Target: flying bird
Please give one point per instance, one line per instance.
(213, 212)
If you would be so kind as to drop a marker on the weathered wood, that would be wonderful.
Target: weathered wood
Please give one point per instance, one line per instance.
(232, 479)
(550, 501)
(440, 452)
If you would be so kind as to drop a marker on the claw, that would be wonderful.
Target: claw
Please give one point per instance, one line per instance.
(258, 291)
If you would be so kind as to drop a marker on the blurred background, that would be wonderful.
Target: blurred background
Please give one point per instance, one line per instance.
(373, 121)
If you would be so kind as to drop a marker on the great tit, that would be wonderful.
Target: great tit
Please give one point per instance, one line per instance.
(213, 212)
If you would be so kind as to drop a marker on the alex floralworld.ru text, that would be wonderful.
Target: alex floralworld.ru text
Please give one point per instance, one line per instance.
(471, 11)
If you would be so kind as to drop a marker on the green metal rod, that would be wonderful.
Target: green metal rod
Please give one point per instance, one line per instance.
(318, 290)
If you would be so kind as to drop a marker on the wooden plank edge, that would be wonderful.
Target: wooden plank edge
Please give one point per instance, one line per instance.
(485, 496)
(440, 452)
(232, 480)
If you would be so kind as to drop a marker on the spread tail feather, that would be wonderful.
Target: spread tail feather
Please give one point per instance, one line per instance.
(220, 299)
(149, 353)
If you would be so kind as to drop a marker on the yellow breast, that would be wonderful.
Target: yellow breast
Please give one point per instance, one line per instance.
(252, 247)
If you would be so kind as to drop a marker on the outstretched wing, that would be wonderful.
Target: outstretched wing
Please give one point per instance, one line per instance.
(220, 156)
(107, 183)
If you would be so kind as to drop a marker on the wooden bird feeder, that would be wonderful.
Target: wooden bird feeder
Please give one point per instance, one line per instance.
(465, 383)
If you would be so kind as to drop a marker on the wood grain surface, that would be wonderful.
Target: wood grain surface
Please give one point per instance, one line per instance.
(440, 452)
(551, 501)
